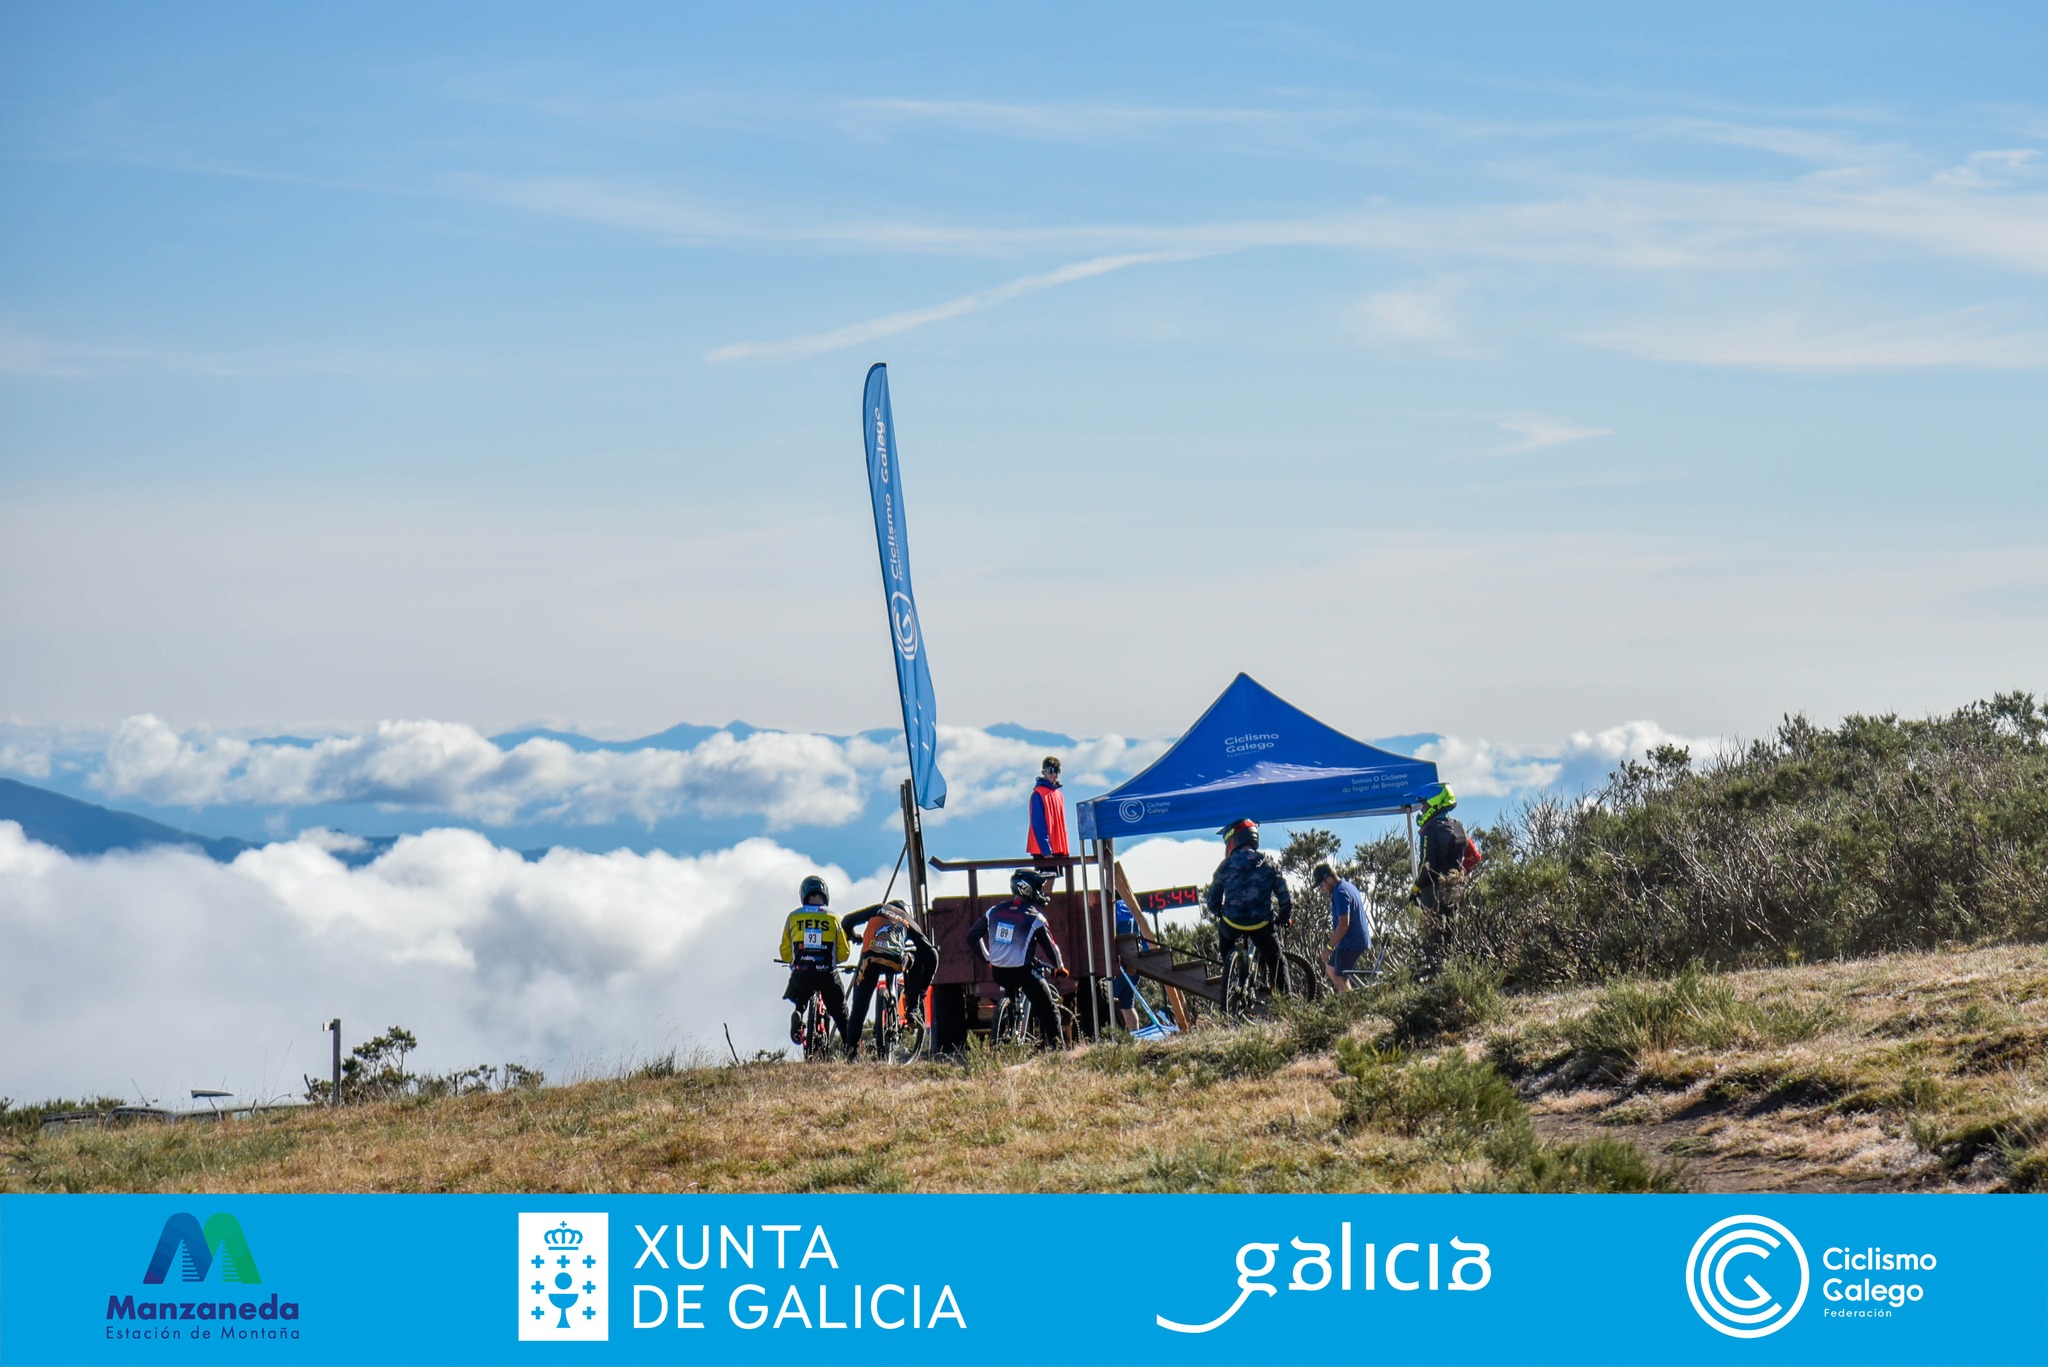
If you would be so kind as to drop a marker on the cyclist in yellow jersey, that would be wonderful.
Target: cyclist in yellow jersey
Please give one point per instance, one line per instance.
(813, 945)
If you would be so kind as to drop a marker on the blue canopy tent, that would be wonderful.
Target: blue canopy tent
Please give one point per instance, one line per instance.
(1253, 754)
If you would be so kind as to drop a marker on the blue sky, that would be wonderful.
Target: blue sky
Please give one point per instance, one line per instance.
(1549, 382)
(488, 364)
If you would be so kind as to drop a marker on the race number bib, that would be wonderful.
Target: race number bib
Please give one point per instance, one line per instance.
(1005, 933)
(814, 938)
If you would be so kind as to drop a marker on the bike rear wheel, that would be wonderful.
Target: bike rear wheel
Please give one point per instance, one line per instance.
(1008, 1018)
(817, 1029)
(1303, 981)
(886, 1026)
(1240, 987)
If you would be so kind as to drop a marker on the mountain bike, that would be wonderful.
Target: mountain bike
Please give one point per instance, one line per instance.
(897, 1040)
(1014, 1014)
(816, 1030)
(1248, 986)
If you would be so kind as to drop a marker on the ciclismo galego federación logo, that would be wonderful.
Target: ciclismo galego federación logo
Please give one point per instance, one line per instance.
(1747, 1276)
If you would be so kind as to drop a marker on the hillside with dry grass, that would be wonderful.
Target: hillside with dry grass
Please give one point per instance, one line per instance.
(1909, 1072)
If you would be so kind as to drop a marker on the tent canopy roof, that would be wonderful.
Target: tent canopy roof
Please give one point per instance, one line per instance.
(1254, 754)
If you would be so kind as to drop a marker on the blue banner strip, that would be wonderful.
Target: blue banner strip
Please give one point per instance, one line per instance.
(1024, 1279)
(892, 539)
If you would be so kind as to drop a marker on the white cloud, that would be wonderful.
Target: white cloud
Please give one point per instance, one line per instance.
(1967, 338)
(161, 971)
(1405, 315)
(24, 757)
(788, 779)
(889, 325)
(1480, 768)
(985, 772)
(1626, 224)
(1983, 170)
(785, 778)
(1536, 432)
(1633, 740)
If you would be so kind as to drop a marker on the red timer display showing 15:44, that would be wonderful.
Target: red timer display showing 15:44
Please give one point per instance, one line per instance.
(1169, 899)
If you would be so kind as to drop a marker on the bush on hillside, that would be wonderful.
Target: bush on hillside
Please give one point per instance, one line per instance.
(1875, 836)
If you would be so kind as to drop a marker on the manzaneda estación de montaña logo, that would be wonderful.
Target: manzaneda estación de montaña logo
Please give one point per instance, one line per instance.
(220, 1237)
(218, 1250)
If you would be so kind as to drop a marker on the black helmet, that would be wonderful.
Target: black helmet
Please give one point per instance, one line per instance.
(1029, 884)
(1245, 832)
(814, 885)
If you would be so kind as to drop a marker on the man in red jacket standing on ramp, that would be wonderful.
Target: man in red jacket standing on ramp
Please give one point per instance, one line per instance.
(1048, 835)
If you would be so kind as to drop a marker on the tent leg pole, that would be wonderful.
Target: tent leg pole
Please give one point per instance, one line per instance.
(1414, 850)
(1105, 850)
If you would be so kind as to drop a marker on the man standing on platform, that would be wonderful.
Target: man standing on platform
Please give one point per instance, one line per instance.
(1047, 838)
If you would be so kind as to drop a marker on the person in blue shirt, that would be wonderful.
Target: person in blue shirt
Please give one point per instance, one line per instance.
(1121, 989)
(1350, 930)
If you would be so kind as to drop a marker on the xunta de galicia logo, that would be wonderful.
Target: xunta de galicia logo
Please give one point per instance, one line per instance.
(563, 1259)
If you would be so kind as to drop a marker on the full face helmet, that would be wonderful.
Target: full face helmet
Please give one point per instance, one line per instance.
(814, 886)
(1440, 800)
(1029, 884)
(1245, 833)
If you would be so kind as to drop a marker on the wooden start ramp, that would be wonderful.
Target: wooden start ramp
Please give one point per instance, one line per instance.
(1150, 959)
(1182, 976)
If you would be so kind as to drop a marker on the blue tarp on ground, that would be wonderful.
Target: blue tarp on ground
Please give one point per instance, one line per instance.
(1253, 754)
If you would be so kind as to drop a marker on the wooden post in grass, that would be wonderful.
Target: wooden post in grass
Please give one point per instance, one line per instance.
(333, 1028)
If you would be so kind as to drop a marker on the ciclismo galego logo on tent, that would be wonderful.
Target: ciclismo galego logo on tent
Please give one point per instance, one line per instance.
(196, 1288)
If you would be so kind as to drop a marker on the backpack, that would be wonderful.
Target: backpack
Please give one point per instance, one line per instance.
(1468, 862)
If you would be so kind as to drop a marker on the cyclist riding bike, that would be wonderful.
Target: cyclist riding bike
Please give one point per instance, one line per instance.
(813, 945)
(1010, 934)
(1248, 896)
(889, 943)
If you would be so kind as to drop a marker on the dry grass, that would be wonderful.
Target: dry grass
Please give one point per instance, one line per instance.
(1920, 1071)
(1916, 1071)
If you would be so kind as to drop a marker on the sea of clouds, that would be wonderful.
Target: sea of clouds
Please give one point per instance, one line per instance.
(785, 778)
(146, 974)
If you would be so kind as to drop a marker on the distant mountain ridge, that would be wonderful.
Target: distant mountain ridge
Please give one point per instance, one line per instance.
(688, 736)
(77, 827)
(224, 829)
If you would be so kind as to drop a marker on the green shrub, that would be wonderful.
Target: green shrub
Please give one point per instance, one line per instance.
(1878, 835)
(28, 1120)
(1450, 1100)
(1692, 1010)
(1462, 996)
(1589, 1165)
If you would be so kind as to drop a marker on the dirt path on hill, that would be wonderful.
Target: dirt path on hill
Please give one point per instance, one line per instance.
(1726, 1152)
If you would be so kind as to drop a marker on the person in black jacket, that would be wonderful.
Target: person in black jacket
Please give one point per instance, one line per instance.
(889, 943)
(1248, 896)
(1441, 874)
